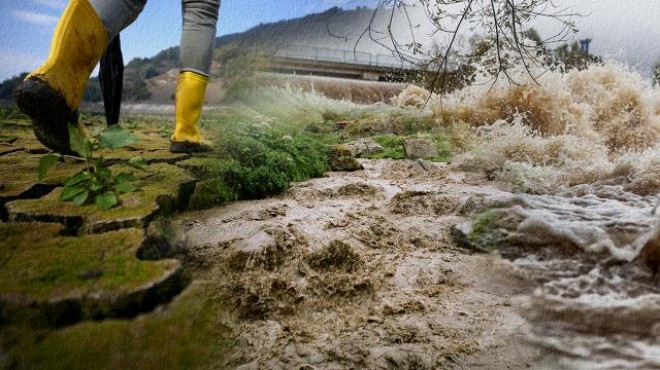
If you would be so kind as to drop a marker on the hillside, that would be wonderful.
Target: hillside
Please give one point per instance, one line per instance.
(335, 28)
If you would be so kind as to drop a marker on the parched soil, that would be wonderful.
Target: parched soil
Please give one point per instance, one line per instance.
(360, 270)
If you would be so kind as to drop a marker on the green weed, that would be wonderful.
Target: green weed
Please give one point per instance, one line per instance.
(96, 182)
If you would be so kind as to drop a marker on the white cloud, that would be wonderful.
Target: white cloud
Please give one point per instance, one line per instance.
(35, 18)
(53, 4)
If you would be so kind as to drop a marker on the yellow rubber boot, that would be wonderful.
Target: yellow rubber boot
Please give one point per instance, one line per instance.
(190, 94)
(50, 95)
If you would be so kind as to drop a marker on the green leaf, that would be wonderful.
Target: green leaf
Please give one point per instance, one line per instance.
(126, 188)
(79, 143)
(138, 163)
(125, 177)
(102, 171)
(81, 198)
(106, 200)
(77, 179)
(115, 137)
(96, 188)
(96, 131)
(71, 192)
(45, 163)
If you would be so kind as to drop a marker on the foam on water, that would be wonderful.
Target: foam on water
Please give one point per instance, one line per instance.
(596, 304)
(581, 127)
(583, 150)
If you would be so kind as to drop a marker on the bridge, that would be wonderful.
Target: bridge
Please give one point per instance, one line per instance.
(311, 60)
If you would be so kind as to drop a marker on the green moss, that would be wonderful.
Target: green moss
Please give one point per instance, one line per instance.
(162, 189)
(187, 335)
(201, 167)
(18, 173)
(42, 265)
(152, 147)
(211, 193)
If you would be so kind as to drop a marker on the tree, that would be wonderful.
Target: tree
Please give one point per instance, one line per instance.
(510, 40)
(8, 86)
(573, 57)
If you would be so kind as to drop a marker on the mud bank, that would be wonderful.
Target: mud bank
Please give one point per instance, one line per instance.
(360, 270)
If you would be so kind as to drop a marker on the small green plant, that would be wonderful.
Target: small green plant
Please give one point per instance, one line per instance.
(96, 183)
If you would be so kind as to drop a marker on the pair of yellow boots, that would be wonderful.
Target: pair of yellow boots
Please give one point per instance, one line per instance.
(51, 94)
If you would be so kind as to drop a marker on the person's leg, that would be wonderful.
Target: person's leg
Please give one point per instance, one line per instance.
(50, 95)
(197, 44)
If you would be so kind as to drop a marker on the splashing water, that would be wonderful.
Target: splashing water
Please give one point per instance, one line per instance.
(596, 304)
(581, 127)
(583, 150)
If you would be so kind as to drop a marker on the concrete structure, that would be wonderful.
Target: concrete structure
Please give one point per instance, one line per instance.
(309, 60)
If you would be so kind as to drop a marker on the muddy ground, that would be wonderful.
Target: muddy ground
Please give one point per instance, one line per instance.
(360, 270)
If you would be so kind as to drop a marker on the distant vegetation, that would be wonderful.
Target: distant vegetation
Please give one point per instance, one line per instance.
(238, 67)
(7, 87)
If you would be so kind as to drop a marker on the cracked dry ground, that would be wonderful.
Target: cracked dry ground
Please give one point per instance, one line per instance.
(359, 270)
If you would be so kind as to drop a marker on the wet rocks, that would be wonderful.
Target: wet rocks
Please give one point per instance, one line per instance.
(342, 159)
(650, 253)
(420, 148)
(364, 147)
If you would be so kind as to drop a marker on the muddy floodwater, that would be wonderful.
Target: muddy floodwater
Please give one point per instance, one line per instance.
(367, 270)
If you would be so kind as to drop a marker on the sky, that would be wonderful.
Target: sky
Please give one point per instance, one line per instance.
(26, 26)
(626, 30)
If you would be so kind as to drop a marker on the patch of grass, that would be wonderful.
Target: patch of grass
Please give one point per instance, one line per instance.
(264, 160)
(186, 335)
(11, 114)
(210, 193)
(445, 149)
(259, 156)
(393, 146)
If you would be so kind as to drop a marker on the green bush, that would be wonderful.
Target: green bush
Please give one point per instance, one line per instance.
(258, 157)
(263, 161)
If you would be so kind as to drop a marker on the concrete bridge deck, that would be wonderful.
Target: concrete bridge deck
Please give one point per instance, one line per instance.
(309, 60)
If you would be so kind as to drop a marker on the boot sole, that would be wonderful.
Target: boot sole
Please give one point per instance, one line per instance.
(49, 113)
(189, 147)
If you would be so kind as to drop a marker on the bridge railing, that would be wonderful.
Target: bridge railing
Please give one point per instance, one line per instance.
(321, 54)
